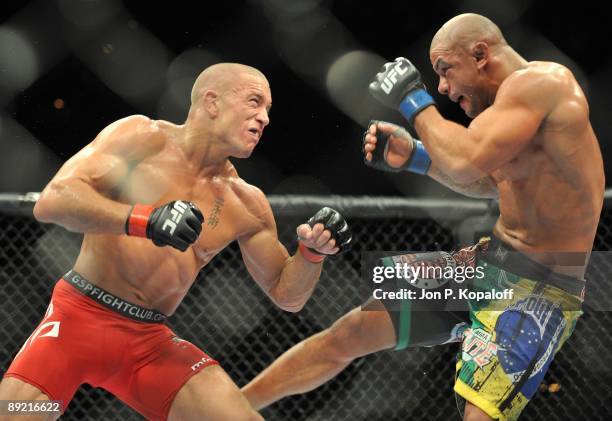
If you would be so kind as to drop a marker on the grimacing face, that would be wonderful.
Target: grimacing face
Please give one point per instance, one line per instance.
(245, 113)
(460, 80)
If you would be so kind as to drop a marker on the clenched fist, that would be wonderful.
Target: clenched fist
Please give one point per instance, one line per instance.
(388, 147)
(325, 233)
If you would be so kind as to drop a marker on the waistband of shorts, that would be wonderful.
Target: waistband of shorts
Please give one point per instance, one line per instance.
(111, 301)
(507, 258)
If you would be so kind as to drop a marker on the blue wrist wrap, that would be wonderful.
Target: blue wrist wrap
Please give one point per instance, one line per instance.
(414, 102)
(419, 161)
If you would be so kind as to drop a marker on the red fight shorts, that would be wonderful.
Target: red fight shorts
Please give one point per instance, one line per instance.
(81, 340)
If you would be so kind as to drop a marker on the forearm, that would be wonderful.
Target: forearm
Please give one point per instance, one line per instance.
(449, 146)
(76, 206)
(296, 283)
(481, 188)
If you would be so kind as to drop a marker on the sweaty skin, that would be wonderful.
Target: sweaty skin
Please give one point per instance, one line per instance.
(530, 144)
(141, 161)
(138, 160)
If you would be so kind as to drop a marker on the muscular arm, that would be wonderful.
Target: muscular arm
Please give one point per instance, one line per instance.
(400, 149)
(288, 280)
(493, 138)
(482, 188)
(79, 195)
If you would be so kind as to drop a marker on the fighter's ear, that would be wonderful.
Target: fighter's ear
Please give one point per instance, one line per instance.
(480, 52)
(210, 103)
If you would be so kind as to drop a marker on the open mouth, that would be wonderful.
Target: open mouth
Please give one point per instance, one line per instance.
(461, 101)
(255, 133)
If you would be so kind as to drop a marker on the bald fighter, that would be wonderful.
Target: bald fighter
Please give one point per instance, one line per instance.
(156, 202)
(531, 145)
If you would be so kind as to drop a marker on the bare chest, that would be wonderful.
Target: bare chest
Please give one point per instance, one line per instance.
(531, 163)
(219, 198)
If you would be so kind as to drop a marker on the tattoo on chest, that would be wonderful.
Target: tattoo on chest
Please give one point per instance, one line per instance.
(215, 213)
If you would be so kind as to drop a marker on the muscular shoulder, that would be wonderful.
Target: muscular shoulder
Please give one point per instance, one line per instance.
(541, 86)
(134, 137)
(254, 200)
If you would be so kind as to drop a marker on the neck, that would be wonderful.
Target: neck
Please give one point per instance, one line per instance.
(505, 62)
(202, 148)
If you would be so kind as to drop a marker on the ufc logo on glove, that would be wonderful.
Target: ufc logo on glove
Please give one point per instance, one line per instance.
(177, 212)
(390, 79)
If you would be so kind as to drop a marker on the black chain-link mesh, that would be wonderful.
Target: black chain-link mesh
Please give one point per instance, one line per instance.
(228, 316)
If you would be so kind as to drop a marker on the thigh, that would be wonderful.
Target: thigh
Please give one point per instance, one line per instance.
(46, 361)
(157, 367)
(419, 323)
(419, 306)
(13, 389)
(211, 395)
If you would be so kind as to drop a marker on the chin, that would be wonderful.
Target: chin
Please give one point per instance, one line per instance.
(243, 154)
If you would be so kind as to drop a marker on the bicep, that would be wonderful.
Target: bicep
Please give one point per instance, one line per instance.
(102, 170)
(104, 163)
(501, 132)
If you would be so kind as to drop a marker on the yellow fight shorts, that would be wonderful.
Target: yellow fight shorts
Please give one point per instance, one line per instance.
(508, 341)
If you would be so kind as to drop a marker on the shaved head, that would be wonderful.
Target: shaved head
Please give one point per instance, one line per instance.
(220, 77)
(463, 31)
(230, 106)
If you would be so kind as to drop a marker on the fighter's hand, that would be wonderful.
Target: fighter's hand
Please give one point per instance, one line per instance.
(177, 224)
(386, 146)
(398, 85)
(325, 233)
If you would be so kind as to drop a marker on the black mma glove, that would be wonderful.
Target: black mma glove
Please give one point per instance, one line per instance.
(177, 224)
(418, 162)
(337, 226)
(398, 85)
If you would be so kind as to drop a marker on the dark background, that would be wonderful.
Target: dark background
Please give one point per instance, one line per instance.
(106, 59)
(109, 59)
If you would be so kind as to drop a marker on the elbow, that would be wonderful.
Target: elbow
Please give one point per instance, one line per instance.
(286, 303)
(466, 173)
(289, 306)
(46, 207)
(462, 178)
(42, 211)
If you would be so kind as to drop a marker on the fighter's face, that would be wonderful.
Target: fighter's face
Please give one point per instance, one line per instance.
(244, 114)
(460, 80)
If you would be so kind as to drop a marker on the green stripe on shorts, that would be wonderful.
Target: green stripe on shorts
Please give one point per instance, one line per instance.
(404, 327)
(405, 316)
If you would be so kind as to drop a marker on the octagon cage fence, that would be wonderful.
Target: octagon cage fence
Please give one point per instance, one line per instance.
(226, 314)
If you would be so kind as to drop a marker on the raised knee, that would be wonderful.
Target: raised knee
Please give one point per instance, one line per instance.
(476, 417)
(474, 413)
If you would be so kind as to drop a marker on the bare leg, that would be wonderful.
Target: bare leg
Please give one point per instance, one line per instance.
(13, 389)
(321, 357)
(474, 413)
(211, 395)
